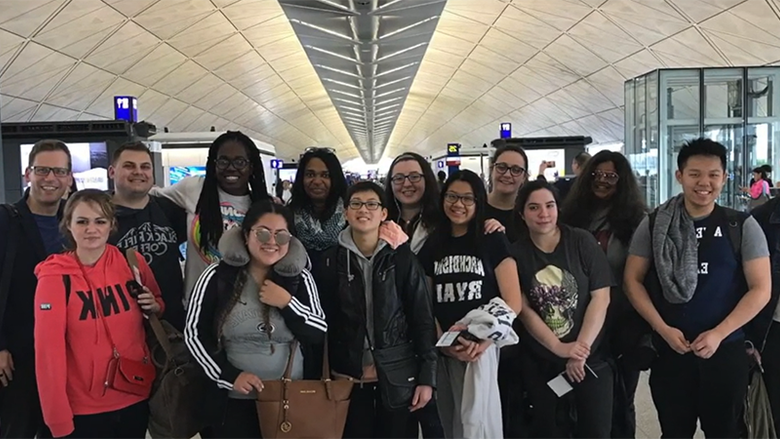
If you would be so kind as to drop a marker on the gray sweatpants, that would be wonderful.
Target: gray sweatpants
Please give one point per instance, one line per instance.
(450, 394)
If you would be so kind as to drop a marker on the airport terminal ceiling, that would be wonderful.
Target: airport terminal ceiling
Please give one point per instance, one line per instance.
(367, 77)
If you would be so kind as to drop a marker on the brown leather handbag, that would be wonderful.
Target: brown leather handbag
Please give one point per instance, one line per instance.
(305, 409)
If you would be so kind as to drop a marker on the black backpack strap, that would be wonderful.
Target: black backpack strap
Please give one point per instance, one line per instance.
(13, 234)
(736, 220)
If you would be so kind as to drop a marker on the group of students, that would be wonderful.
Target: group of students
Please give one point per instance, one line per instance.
(532, 288)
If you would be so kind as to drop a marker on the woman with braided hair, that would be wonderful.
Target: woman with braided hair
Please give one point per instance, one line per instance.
(247, 312)
(217, 202)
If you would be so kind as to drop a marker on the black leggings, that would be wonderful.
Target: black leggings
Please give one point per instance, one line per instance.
(367, 418)
(127, 423)
(240, 421)
(585, 412)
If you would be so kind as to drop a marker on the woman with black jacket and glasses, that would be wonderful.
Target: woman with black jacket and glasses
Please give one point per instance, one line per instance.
(246, 314)
(381, 328)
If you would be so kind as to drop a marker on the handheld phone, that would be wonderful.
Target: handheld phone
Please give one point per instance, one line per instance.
(134, 289)
(551, 164)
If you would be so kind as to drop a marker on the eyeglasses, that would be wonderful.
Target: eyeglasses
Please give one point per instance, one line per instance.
(320, 148)
(281, 237)
(399, 179)
(467, 200)
(609, 177)
(43, 171)
(514, 170)
(238, 163)
(370, 205)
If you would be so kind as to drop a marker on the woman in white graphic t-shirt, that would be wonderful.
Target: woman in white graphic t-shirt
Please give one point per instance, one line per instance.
(218, 201)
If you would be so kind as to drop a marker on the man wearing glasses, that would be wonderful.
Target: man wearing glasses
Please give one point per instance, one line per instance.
(29, 233)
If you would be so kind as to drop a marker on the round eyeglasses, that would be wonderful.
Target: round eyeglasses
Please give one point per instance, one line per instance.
(238, 163)
(398, 179)
(608, 177)
(281, 237)
(515, 170)
(467, 200)
(370, 205)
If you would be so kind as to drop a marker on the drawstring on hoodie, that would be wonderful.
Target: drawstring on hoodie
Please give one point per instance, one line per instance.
(350, 276)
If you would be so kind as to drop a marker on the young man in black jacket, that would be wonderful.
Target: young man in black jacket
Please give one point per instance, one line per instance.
(382, 333)
(154, 226)
(29, 233)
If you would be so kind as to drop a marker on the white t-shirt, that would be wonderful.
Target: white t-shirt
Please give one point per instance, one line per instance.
(185, 193)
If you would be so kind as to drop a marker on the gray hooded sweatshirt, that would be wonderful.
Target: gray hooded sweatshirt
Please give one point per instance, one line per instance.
(367, 268)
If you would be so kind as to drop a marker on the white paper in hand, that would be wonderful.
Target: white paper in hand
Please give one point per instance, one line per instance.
(447, 339)
(559, 385)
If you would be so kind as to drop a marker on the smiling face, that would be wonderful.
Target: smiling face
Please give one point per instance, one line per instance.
(269, 240)
(540, 212)
(408, 182)
(233, 168)
(89, 226)
(49, 189)
(505, 181)
(365, 212)
(316, 180)
(605, 180)
(133, 173)
(702, 180)
(460, 203)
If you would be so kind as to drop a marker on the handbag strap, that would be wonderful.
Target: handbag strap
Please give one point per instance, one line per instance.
(154, 321)
(325, 361)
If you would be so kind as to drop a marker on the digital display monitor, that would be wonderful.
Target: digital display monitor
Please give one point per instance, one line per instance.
(287, 174)
(90, 164)
(176, 173)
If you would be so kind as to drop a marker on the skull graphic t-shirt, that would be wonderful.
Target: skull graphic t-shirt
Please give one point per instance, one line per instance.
(558, 284)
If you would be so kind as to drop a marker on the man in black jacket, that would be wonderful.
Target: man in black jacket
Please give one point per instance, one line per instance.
(29, 233)
(154, 226)
(766, 325)
(381, 327)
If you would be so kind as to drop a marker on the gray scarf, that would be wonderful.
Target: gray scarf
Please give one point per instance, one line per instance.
(675, 250)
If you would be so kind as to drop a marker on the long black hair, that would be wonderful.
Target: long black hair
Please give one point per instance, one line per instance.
(338, 183)
(430, 209)
(443, 232)
(254, 214)
(211, 226)
(626, 206)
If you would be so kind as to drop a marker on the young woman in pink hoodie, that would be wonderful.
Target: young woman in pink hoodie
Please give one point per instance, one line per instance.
(92, 364)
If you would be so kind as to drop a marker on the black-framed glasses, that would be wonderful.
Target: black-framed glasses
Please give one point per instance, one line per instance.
(43, 171)
(238, 163)
(467, 200)
(414, 177)
(327, 149)
(514, 169)
(609, 177)
(370, 205)
(281, 237)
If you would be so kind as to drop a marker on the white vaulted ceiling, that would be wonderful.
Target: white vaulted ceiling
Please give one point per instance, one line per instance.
(551, 67)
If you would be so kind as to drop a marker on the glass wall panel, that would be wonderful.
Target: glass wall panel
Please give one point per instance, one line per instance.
(679, 105)
(763, 127)
(736, 106)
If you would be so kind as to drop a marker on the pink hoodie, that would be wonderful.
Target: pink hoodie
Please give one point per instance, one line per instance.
(72, 348)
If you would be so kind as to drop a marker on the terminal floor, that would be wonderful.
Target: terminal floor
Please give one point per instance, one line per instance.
(646, 418)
